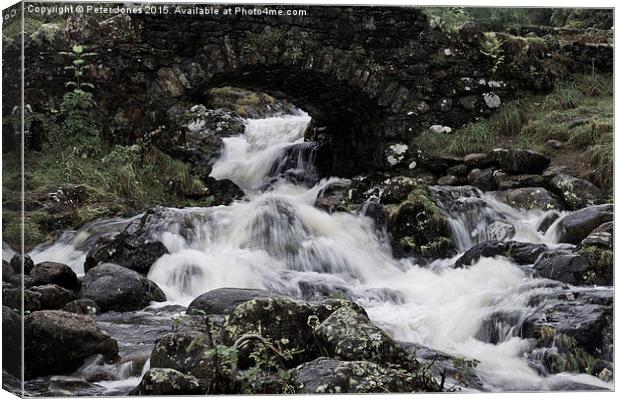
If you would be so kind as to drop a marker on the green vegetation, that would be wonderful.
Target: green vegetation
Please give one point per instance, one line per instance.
(64, 149)
(501, 19)
(565, 354)
(267, 374)
(578, 113)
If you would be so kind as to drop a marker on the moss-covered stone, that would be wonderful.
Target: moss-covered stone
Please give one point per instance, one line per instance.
(287, 322)
(349, 335)
(161, 381)
(325, 375)
(418, 225)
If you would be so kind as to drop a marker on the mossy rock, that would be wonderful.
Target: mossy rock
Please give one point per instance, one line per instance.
(325, 375)
(287, 323)
(418, 225)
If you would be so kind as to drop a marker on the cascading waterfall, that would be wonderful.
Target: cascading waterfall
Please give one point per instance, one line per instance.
(276, 239)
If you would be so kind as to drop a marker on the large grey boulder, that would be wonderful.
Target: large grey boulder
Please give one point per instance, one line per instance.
(529, 198)
(117, 288)
(58, 342)
(54, 273)
(287, 321)
(576, 193)
(350, 335)
(578, 225)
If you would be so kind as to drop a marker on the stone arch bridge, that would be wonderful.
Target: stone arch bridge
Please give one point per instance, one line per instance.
(372, 76)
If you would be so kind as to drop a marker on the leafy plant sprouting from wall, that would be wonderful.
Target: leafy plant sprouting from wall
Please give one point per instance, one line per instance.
(78, 126)
(491, 46)
(78, 65)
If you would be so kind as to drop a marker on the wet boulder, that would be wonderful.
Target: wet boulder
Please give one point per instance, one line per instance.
(397, 189)
(117, 288)
(570, 326)
(52, 296)
(376, 212)
(132, 251)
(16, 264)
(287, 321)
(519, 160)
(451, 180)
(12, 297)
(197, 139)
(325, 375)
(335, 197)
(82, 306)
(192, 353)
(484, 179)
(574, 192)
(478, 160)
(564, 266)
(224, 300)
(223, 191)
(519, 181)
(295, 164)
(529, 198)
(519, 252)
(418, 226)
(182, 351)
(457, 372)
(350, 335)
(11, 340)
(546, 222)
(54, 273)
(161, 381)
(597, 249)
(58, 342)
(601, 236)
(576, 226)
(576, 323)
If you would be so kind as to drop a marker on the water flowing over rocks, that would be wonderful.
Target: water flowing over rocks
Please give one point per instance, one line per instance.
(519, 252)
(58, 342)
(334, 274)
(114, 287)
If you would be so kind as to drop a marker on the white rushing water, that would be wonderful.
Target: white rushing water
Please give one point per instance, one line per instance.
(276, 239)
